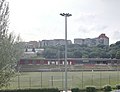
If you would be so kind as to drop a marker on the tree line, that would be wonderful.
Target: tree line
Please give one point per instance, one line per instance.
(84, 51)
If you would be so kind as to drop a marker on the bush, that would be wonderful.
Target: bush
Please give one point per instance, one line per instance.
(107, 88)
(91, 89)
(118, 86)
(75, 90)
(32, 90)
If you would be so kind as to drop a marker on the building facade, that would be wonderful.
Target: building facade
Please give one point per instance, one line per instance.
(32, 44)
(54, 42)
(101, 39)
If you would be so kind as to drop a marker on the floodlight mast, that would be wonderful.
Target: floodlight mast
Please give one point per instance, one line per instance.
(65, 15)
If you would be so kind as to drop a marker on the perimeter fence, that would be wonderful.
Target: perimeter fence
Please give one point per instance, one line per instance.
(56, 79)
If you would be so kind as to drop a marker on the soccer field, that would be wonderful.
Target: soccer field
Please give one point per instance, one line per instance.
(56, 79)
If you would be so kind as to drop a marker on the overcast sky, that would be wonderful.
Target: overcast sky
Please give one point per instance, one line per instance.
(40, 19)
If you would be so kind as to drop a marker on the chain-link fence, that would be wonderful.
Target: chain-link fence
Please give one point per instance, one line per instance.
(56, 79)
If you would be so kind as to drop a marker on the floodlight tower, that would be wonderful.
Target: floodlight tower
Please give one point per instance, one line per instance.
(65, 15)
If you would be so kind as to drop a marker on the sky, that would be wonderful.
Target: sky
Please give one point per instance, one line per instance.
(36, 20)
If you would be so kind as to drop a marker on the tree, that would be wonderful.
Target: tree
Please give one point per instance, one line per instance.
(33, 49)
(10, 50)
(93, 55)
(118, 55)
(77, 54)
(104, 54)
(50, 53)
(117, 43)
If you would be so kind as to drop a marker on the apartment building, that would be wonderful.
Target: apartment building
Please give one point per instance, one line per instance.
(31, 44)
(54, 42)
(101, 39)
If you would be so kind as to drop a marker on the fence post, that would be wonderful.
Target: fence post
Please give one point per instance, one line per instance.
(18, 82)
(41, 79)
(29, 82)
(52, 81)
(100, 79)
(72, 81)
(62, 80)
(109, 78)
(92, 77)
(82, 79)
(117, 76)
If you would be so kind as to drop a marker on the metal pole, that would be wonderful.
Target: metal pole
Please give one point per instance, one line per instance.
(41, 79)
(65, 53)
(65, 15)
(82, 79)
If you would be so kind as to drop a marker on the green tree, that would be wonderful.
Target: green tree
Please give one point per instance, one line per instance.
(93, 55)
(9, 47)
(77, 54)
(50, 53)
(118, 55)
(85, 54)
(69, 54)
(104, 54)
